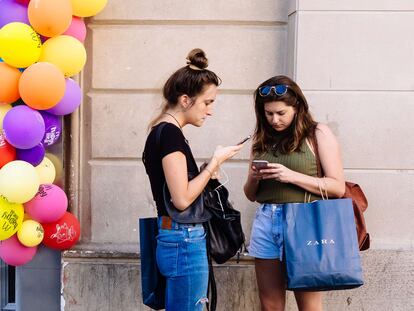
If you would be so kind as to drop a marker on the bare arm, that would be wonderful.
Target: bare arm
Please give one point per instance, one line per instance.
(184, 192)
(330, 157)
(331, 160)
(252, 182)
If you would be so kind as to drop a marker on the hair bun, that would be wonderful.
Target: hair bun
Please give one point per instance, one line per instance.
(197, 58)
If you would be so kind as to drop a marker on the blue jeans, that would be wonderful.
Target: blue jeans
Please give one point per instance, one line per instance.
(182, 259)
(266, 239)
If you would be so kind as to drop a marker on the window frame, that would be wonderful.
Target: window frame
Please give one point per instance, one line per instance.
(5, 304)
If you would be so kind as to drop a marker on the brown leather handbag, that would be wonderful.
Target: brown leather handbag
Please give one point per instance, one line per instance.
(359, 201)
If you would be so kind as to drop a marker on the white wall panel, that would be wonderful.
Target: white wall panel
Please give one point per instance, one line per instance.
(143, 57)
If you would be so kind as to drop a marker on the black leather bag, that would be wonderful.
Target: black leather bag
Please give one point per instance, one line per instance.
(225, 232)
(195, 213)
(226, 236)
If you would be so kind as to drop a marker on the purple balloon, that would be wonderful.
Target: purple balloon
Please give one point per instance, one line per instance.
(23, 127)
(70, 101)
(11, 11)
(33, 155)
(53, 128)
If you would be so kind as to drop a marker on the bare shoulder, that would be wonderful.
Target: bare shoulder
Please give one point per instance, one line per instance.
(324, 134)
(322, 130)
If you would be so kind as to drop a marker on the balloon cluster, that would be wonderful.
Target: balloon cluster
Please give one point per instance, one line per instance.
(41, 48)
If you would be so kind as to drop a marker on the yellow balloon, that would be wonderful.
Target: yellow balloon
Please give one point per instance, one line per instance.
(46, 171)
(19, 181)
(66, 52)
(57, 163)
(30, 233)
(11, 218)
(20, 45)
(88, 8)
(3, 110)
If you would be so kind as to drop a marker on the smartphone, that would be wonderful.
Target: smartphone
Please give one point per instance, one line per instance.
(244, 140)
(260, 164)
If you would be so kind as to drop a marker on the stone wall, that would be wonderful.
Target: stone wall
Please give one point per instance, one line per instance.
(353, 61)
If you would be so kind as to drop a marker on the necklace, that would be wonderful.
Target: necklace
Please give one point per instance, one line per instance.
(167, 113)
(179, 125)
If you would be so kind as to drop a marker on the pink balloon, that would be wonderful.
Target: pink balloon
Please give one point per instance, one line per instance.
(77, 29)
(70, 101)
(48, 205)
(14, 253)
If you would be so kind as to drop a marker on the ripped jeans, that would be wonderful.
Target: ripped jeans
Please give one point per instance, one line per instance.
(182, 259)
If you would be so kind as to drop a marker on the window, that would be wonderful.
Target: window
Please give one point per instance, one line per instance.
(7, 287)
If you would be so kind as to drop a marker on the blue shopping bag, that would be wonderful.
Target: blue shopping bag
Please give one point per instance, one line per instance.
(152, 281)
(321, 246)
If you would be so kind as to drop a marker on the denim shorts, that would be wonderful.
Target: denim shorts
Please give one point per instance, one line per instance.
(266, 240)
(182, 258)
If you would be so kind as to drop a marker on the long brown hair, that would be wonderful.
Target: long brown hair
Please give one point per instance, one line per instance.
(190, 80)
(302, 126)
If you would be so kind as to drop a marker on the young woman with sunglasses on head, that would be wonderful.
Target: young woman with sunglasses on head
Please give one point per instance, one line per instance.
(181, 249)
(283, 137)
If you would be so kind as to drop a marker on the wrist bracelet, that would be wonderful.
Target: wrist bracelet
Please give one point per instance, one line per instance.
(211, 174)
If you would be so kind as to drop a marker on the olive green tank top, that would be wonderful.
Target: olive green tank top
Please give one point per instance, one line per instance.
(272, 191)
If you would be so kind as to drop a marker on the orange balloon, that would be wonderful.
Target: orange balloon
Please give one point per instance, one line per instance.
(42, 85)
(9, 81)
(50, 17)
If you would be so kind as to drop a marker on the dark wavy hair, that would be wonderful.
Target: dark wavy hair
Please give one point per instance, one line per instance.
(268, 139)
(190, 80)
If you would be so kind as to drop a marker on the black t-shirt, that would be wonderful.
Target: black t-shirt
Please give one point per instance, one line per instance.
(171, 140)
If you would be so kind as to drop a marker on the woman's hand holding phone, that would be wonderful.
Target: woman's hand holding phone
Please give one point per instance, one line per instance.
(260, 164)
(221, 154)
(257, 167)
(278, 172)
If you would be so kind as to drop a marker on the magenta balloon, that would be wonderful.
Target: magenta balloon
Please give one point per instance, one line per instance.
(48, 205)
(14, 253)
(33, 155)
(11, 11)
(70, 101)
(25, 2)
(23, 127)
(77, 29)
(53, 128)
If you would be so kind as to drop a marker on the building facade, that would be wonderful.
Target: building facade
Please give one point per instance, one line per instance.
(353, 62)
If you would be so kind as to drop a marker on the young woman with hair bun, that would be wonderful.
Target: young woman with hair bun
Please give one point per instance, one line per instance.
(190, 93)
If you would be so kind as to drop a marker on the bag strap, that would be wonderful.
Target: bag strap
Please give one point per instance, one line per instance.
(158, 135)
(158, 142)
(314, 142)
(212, 302)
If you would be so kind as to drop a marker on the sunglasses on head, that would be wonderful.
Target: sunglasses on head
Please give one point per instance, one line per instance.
(278, 89)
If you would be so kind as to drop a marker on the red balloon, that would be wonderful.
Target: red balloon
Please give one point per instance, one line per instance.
(62, 234)
(7, 151)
